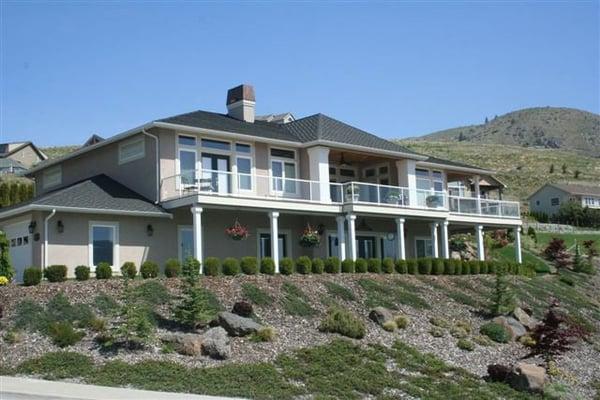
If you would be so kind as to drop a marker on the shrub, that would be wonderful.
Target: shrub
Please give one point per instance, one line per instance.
(458, 332)
(6, 268)
(436, 331)
(212, 266)
(484, 267)
(387, 265)
(332, 265)
(465, 344)
(318, 266)
(103, 270)
(264, 334)
(449, 266)
(389, 325)
(493, 267)
(303, 265)
(129, 270)
(243, 309)
(267, 266)
(231, 266)
(198, 307)
(256, 295)
(496, 332)
(424, 266)
(343, 322)
(82, 272)
(527, 341)
(63, 334)
(149, 269)
(412, 267)
(3, 282)
(440, 322)
(152, 292)
(106, 304)
(286, 266)
(190, 269)
(56, 273)
(348, 266)
(473, 267)
(172, 268)
(401, 267)
(482, 340)
(249, 265)
(465, 267)
(360, 265)
(438, 266)
(503, 301)
(401, 321)
(32, 276)
(374, 265)
(458, 267)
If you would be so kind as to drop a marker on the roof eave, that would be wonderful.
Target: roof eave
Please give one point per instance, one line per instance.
(82, 210)
(365, 149)
(450, 167)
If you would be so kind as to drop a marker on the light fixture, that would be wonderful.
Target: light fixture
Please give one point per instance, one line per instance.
(390, 236)
(32, 226)
(60, 227)
(150, 230)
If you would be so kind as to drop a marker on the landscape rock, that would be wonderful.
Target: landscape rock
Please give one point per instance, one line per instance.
(236, 325)
(514, 327)
(524, 318)
(188, 344)
(242, 308)
(455, 255)
(381, 315)
(215, 344)
(527, 377)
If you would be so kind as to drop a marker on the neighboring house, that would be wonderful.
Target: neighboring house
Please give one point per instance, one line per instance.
(551, 196)
(170, 188)
(18, 156)
(92, 140)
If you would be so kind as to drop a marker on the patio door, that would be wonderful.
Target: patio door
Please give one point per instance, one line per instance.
(215, 173)
(365, 246)
(185, 239)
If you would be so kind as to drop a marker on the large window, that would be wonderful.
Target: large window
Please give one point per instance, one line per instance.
(265, 245)
(52, 176)
(555, 201)
(103, 243)
(283, 171)
(423, 247)
(132, 150)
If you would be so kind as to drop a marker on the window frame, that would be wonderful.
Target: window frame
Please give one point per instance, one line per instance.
(284, 160)
(288, 241)
(103, 224)
(552, 201)
(46, 182)
(424, 238)
(135, 141)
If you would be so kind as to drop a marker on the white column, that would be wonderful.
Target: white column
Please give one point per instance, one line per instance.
(480, 248)
(400, 238)
(197, 221)
(407, 178)
(273, 219)
(341, 236)
(476, 179)
(518, 255)
(352, 235)
(445, 244)
(434, 239)
(318, 162)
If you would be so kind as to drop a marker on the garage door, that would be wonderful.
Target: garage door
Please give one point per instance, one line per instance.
(19, 242)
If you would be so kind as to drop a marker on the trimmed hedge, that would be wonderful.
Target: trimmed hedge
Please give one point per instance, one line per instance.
(129, 270)
(249, 265)
(449, 266)
(149, 269)
(103, 270)
(401, 266)
(56, 273)
(332, 265)
(360, 265)
(424, 266)
(32, 276)
(82, 272)
(212, 266)
(387, 265)
(374, 265)
(172, 268)
(348, 266)
(437, 267)
(412, 266)
(231, 266)
(318, 266)
(286, 266)
(267, 266)
(303, 265)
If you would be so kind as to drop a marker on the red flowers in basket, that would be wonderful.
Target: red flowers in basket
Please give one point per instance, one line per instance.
(237, 231)
(310, 237)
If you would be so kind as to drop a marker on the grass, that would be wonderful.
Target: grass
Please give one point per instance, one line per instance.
(339, 291)
(152, 293)
(455, 295)
(543, 238)
(256, 295)
(507, 254)
(380, 294)
(295, 301)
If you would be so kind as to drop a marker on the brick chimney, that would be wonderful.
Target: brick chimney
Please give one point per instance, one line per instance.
(241, 103)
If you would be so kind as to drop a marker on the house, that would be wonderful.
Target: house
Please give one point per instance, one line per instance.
(171, 187)
(551, 196)
(19, 156)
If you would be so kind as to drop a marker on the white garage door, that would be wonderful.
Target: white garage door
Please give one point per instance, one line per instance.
(19, 242)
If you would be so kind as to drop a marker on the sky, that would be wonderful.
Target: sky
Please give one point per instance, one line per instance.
(396, 69)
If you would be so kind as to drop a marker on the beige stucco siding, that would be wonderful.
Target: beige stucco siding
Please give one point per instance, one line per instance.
(542, 200)
(26, 156)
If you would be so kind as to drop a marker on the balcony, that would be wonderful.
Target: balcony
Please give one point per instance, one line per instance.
(253, 186)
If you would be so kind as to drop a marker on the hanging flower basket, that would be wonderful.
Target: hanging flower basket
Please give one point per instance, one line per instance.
(310, 237)
(237, 231)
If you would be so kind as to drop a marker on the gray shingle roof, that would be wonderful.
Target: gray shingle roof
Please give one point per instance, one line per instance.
(442, 161)
(574, 188)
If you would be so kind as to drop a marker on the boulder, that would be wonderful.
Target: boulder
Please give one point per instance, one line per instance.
(381, 315)
(215, 344)
(188, 344)
(236, 325)
(455, 255)
(524, 318)
(527, 377)
(243, 309)
(514, 327)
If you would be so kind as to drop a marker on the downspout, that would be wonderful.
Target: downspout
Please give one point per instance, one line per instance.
(157, 200)
(45, 263)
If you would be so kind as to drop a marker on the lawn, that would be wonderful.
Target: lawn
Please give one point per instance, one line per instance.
(507, 253)
(543, 238)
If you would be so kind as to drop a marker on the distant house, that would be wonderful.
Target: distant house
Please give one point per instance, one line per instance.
(19, 156)
(93, 140)
(551, 196)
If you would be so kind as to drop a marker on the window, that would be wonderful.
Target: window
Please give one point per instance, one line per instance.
(265, 245)
(537, 202)
(555, 201)
(423, 247)
(52, 176)
(283, 153)
(132, 150)
(369, 172)
(333, 249)
(423, 181)
(242, 148)
(104, 243)
(187, 140)
(438, 181)
(347, 172)
(283, 171)
(187, 166)
(216, 144)
(244, 169)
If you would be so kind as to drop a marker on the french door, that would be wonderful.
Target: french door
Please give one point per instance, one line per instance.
(215, 173)
(365, 246)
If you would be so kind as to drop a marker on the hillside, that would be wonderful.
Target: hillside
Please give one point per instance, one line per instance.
(522, 169)
(542, 127)
(58, 151)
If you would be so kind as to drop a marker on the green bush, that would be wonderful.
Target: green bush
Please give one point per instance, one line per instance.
(465, 344)
(152, 293)
(374, 265)
(474, 267)
(387, 265)
(449, 266)
(172, 268)
(149, 269)
(32, 276)
(496, 332)
(212, 266)
(493, 267)
(484, 267)
(82, 272)
(56, 273)
(318, 266)
(231, 266)
(465, 267)
(437, 267)
(401, 267)
(286, 266)
(343, 322)
(103, 270)
(348, 266)
(402, 321)
(303, 265)
(360, 265)
(129, 270)
(6, 269)
(412, 266)
(424, 266)
(249, 265)
(267, 266)
(458, 267)
(190, 269)
(332, 265)
(63, 334)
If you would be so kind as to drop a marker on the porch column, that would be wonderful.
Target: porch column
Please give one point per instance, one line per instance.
(400, 236)
(476, 179)
(352, 235)
(318, 161)
(341, 236)
(445, 244)
(407, 178)
(480, 248)
(197, 221)
(518, 254)
(273, 219)
(434, 239)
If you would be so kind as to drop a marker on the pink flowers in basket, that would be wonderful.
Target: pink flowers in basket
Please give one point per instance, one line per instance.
(237, 231)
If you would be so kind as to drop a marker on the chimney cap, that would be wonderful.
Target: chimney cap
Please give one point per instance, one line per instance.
(239, 93)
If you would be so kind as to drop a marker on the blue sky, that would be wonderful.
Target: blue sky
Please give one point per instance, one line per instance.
(394, 69)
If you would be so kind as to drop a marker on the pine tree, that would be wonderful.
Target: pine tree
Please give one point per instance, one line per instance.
(578, 264)
(486, 120)
(6, 268)
(503, 300)
(551, 168)
(576, 174)
(564, 168)
(4, 194)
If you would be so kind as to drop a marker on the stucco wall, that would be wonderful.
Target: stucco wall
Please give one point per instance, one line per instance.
(26, 156)
(544, 197)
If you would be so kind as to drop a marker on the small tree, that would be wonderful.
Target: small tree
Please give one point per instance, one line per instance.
(557, 251)
(6, 268)
(578, 263)
(551, 168)
(195, 307)
(564, 168)
(503, 299)
(135, 327)
(576, 174)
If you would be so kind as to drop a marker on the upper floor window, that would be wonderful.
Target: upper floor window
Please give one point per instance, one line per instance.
(555, 201)
(132, 150)
(186, 140)
(243, 148)
(281, 153)
(52, 176)
(216, 144)
(590, 201)
(429, 180)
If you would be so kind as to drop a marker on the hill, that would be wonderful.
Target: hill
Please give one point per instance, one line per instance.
(523, 170)
(58, 151)
(541, 127)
